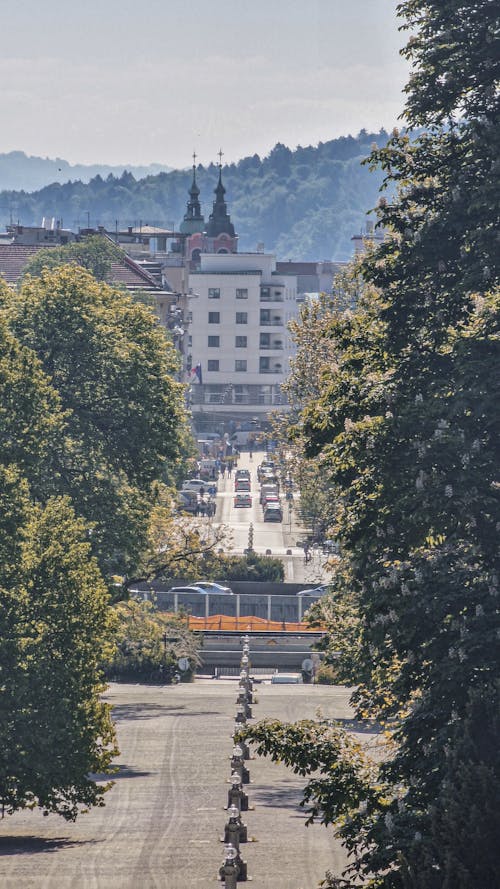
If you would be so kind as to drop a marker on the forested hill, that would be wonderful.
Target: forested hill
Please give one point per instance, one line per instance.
(29, 172)
(302, 204)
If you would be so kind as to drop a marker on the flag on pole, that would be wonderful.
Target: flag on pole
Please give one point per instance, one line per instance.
(196, 371)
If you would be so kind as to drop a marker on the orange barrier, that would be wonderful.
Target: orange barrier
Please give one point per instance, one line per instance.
(225, 622)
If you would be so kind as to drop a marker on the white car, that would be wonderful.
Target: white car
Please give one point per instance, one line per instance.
(316, 591)
(215, 588)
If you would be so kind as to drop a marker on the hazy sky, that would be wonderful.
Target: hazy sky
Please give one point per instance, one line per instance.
(138, 81)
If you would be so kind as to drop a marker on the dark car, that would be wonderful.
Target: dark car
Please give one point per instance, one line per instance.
(244, 499)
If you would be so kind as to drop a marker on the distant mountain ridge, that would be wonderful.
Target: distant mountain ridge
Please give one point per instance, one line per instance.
(22, 172)
(302, 204)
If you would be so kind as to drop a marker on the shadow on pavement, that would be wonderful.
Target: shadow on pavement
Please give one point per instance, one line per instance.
(282, 798)
(353, 725)
(143, 710)
(29, 845)
(124, 771)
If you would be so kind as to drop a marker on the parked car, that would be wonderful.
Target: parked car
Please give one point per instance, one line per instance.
(269, 499)
(265, 465)
(268, 489)
(242, 484)
(242, 473)
(272, 513)
(244, 499)
(316, 591)
(203, 589)
(187, 500)
(212, 587)
(195, 484)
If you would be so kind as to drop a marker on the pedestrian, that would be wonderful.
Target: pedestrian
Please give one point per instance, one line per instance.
(229, 468)
(203, 506)
(223, 469)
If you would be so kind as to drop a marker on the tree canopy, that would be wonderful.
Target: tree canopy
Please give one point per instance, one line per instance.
(92, 426)
(113, 370)
(408, 431)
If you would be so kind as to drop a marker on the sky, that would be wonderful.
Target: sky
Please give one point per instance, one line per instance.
(143, 81)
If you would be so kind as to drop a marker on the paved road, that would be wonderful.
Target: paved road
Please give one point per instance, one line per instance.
(278, 537)
(163, 818)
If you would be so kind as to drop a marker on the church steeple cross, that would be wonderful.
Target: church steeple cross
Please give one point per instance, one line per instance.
(194, 158)
(221, 155)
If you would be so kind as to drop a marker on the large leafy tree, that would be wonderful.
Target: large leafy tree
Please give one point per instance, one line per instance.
(54, 728)
(408, 425)
(94, 253)
(113, 370)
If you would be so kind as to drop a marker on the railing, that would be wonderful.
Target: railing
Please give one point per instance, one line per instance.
(276, 298)
(272, 322)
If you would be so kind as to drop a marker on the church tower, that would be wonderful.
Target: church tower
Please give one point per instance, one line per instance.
(216, 236)
(220, 234)
(193, 220)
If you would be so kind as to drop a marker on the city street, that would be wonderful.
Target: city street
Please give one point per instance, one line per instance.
(163, 818)
(279, 537)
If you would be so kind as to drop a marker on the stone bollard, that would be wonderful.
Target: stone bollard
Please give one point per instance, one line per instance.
(241, 743)
(230, 870)
(245, 680)
(244, 694)
(238, 766)
(245, 662)
(241, 715)
(235, 827)
(236, 796)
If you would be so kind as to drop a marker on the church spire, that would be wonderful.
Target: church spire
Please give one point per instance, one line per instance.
(219, 221)
(193, 220)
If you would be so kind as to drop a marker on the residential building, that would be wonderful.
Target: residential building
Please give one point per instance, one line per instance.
(239, 343)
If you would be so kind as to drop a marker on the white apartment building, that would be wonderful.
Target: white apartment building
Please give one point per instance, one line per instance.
(239, 345)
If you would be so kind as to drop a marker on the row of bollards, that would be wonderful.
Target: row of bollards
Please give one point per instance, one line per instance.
(233, 869)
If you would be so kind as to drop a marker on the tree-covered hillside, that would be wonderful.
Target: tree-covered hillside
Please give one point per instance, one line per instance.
(29, 172)
(302, 204)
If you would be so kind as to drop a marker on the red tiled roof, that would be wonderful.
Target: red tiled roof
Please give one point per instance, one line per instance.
(13, 258)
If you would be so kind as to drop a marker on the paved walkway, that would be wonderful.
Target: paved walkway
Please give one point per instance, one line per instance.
(163, 818)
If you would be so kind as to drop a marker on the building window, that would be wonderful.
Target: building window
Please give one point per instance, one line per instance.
(264, 365)
(265, 292)
(241, 293)
(240, 365)
(213, 364)
(241, 318)
(214, 317)
(214, 292)
(240, 342)
(214, 342)
(265, 340)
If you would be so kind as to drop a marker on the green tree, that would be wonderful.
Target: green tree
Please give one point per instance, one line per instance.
(407, 423)
(55, 730)
(148, 644)
(112, 368)
(95, 253)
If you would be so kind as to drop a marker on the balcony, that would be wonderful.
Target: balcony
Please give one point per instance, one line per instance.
(266, 321)
(272, 294)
